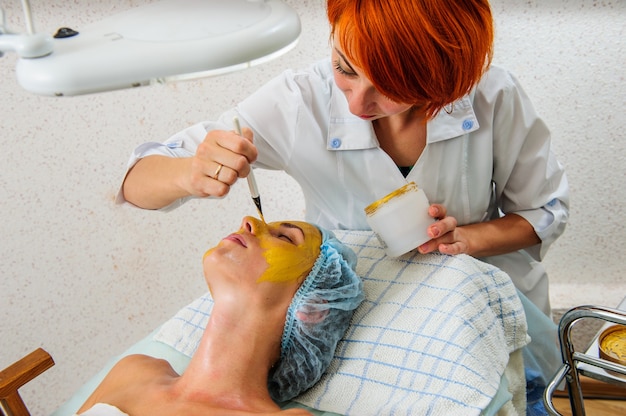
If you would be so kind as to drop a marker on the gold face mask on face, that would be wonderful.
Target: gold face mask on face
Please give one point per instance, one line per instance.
(289, 248)
(288, 261)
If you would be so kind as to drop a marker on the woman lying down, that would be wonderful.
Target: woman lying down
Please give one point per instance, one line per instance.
(284, 295)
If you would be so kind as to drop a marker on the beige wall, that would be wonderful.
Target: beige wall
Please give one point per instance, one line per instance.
(84, 278)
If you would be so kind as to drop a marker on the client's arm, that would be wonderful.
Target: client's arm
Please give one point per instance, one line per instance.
(134, 385)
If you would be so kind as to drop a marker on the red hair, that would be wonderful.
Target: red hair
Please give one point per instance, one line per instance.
(429, 53)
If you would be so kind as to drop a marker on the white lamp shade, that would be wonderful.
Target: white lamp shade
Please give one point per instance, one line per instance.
(160, 42)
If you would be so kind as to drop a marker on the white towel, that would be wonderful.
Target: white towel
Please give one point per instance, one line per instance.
(432, 337)
(102, 409)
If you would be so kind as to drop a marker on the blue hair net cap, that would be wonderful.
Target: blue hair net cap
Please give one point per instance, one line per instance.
(317, 319)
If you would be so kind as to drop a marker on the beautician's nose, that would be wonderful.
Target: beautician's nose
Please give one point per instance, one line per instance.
(361, 99)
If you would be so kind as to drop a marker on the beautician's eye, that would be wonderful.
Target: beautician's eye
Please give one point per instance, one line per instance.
(340, 69)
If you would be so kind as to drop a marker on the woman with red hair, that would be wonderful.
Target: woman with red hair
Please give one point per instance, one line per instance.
(409, 94)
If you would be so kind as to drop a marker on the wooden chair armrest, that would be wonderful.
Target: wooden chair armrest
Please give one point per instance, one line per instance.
(18, 374)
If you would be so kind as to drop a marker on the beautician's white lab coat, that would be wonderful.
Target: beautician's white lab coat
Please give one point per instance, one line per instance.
(491, 153)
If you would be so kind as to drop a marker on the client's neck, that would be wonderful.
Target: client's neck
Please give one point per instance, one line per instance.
(234, 356)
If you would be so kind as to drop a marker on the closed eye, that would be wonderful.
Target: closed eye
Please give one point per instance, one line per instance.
(291, 233)
(286, 238)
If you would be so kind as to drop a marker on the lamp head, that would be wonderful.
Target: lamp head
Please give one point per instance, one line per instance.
(170, 40)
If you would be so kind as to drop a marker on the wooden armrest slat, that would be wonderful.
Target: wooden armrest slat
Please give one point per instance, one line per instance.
(15, 405)
(23, 371)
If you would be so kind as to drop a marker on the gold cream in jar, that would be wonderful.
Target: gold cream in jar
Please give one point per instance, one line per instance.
(612, 343)
(400, 219)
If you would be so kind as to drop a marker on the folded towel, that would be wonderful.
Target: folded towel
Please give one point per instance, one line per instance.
(102, 409)
(432, 337)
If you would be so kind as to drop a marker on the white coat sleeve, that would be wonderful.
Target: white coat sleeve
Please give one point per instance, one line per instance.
(529, 180)
(182, 144)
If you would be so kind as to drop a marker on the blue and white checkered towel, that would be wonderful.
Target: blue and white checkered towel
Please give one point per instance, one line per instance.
(432, 337)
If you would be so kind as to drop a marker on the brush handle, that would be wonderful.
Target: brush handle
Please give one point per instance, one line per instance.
(254, 190)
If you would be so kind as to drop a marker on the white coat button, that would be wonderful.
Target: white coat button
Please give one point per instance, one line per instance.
(468, 124)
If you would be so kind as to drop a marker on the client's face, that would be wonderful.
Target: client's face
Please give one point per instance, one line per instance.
(278, 252)
(291, 249)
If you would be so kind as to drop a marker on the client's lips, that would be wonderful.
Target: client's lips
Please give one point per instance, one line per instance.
(237, 238)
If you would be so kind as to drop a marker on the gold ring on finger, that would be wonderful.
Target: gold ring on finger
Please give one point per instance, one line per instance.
(217, 171)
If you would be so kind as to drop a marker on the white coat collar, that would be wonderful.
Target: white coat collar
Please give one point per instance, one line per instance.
(349, 132)
(461, 120)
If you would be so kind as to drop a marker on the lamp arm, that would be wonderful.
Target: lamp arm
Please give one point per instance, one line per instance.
(28, 18)
(30, 45)
(26, 46)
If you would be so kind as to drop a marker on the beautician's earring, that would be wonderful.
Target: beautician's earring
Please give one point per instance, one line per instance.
(217, 171)
(451, 109)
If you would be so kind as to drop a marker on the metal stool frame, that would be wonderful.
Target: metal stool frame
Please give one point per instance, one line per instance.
(570, 370)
